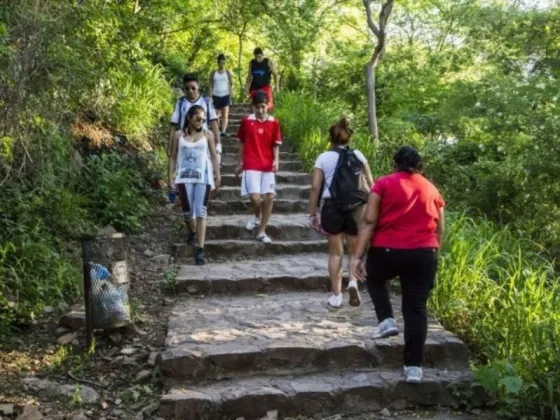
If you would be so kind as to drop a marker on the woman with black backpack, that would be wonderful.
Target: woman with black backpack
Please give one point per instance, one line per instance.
(340, 185)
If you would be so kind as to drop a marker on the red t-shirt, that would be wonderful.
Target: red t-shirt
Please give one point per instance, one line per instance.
(408, 212)
(259, 138)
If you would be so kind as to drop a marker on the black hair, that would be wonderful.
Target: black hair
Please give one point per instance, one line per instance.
(221, 57)
(193, 110)
(341, 133)
(408, 159)
(260, 98)
(258, 51)
(190, 77)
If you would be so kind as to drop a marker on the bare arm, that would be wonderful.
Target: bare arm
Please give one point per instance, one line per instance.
(172, 164)
(172, 131)
(441, 227)
(249, 79)
(276, 163)
(230, 81)
(369, 222)
(274, 74)
(369, 177)
(214, 159)
(316, 185)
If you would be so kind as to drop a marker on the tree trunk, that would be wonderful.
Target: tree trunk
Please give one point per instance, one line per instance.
(239, 56)
(371, 104)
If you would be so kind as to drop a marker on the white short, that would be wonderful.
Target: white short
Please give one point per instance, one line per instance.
(257, 182)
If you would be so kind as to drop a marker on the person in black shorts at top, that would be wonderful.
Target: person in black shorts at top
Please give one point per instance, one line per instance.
(332, 222)
(221, 89)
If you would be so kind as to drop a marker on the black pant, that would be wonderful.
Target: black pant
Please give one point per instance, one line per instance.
(416, 269)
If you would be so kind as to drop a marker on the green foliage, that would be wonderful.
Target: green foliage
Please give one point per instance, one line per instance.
(498, 291)
(117, 187)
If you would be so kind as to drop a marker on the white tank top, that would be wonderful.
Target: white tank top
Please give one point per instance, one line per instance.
(220, 85)
(193, 162)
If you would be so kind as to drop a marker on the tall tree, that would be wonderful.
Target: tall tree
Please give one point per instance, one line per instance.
(380, 32)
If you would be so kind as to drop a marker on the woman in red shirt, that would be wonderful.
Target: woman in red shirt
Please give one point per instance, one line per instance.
(404, 224)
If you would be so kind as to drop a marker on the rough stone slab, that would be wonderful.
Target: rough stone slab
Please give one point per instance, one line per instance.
(316, 395)
(294, 178)
(241, 205)
(285, 165)
(222, 336)
(274, 274)
(280, 227)
(283, 192)
(232, 249)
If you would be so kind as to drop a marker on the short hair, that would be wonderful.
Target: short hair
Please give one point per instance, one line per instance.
(258, 51)
(190, 77)
(341, 133)
(221, 57)
(408, 159)
(260, 98)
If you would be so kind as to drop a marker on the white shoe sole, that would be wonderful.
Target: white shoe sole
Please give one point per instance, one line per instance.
(413, 380)
(387, 333)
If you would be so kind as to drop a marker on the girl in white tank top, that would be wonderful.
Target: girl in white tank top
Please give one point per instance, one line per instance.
(192, 164)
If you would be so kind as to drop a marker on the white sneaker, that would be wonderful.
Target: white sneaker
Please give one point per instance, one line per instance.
(335, 301)
(354, 293)
(413, 374)
(253, 223)
(386, 328)
(264, 238)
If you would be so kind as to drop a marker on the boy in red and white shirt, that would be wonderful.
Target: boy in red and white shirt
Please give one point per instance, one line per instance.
(259, 153)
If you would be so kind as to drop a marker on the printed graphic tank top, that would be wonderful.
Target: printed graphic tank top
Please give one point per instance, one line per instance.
(261, 74)
(193, 162)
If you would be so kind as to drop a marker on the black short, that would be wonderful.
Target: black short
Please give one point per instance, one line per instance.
(221, 101)
(334, 222)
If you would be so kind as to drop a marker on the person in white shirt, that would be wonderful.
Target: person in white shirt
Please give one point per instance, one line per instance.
(193, 97)
(333, 222)
(221, 89)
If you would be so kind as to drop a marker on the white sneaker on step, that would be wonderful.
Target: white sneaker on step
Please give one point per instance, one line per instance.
(354, 293)
(253, 223)
(413, 374)
(335, 301)
(386, 328)
(264, 238)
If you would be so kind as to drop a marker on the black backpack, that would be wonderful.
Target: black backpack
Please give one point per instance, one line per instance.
(348, 187)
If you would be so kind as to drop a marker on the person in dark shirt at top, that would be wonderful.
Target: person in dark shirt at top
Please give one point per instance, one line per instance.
(404, 224)
(261, 69)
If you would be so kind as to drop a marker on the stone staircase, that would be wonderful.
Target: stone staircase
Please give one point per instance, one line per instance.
(252, 332)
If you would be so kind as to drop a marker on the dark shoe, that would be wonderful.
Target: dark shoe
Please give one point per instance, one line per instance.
(191, 238)
(200, 258)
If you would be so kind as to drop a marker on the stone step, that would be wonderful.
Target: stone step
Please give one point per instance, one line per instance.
(285, 166)
(319, 395)
(288, 333)
(242, 205)
(280, 227)
(229, 158)
(283, 192)
(305, 272)
(294, 178)
(234, 249)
